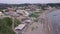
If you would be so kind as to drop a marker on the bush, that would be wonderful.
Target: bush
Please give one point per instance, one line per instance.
(36, 14)
(5, 25)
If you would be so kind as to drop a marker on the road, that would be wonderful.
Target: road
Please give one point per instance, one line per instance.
(42, 25)
(35, 28)
(54, 21)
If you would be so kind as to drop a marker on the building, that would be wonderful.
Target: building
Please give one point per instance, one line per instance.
(20, 28)
(27, 9)
(22, 12)
(11, 12)
(1, 14)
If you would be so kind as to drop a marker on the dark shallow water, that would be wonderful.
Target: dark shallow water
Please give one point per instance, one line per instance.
(54, 17)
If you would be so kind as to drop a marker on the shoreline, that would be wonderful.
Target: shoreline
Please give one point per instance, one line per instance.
(47, 28)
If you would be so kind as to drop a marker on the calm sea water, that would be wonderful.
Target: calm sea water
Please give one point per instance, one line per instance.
(54, 17)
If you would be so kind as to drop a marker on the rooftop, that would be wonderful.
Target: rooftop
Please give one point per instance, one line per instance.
(21, 26)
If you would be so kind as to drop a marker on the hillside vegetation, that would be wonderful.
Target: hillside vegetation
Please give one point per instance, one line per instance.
(6, 25)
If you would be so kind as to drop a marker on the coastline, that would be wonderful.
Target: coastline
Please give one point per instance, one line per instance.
(47, 28)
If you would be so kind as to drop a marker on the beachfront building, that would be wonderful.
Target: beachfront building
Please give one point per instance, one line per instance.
(22, 12)
(20, 28)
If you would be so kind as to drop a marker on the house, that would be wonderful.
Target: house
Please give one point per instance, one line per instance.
(22, 12)
(28, 21)
(1, 14)
(27, 9)
(11, 12)
(38, 9)
(20, 28)
(21, 8)
(4, 10)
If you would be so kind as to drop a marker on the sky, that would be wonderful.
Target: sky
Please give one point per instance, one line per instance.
(28, 1)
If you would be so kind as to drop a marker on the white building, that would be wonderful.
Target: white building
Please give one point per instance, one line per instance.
(20, 27)
(1, 14)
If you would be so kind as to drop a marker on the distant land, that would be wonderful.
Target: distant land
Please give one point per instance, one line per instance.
(3, 5)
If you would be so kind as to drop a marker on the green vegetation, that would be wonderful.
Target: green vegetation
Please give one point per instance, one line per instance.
(36, 27)
(33, 28)
(33, 15)
(17, 22)
(36, 14)
(36, 20)
(6, 25)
